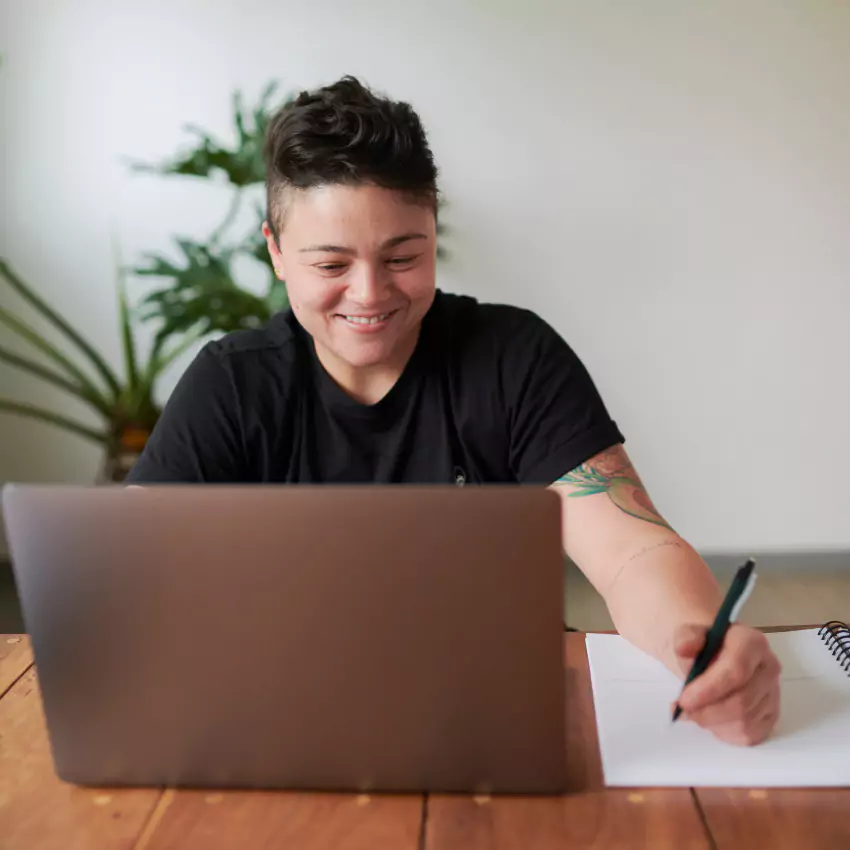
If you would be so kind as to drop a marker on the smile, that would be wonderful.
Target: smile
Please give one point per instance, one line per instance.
(367, 324)
(367, 320)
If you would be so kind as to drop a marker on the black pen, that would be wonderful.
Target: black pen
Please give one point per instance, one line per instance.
(740, 589)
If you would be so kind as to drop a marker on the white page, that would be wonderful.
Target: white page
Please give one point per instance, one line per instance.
(632, 694)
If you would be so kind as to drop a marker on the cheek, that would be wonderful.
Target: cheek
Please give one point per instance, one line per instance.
(419, 284)
(312, 295)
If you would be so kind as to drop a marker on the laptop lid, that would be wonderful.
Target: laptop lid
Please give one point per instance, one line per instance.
(349, 638)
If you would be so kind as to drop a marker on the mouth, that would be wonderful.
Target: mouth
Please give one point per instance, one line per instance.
(367, 323)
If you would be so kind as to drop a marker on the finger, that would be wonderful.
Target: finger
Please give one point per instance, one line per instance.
(689, 640)
(748, 734)
(762, 706)
(744, 703)
(736, 708)
(755, 726)
(753, 731)
(733, 668)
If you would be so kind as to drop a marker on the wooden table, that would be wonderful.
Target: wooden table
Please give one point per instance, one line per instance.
(38, 812)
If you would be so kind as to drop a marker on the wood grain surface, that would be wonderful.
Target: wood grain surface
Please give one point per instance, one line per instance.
(778, 818)
(37, 810)
(15, 659)
(273, 820)
(588, 816)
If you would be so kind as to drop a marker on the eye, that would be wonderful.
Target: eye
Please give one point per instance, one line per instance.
(401, 262)
(330, 267)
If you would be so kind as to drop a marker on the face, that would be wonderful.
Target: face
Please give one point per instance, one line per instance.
(359, 266)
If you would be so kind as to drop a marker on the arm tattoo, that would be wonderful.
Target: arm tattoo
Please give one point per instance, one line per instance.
(612, 472)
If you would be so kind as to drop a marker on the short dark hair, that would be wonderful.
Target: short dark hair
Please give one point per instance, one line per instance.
(344, 133)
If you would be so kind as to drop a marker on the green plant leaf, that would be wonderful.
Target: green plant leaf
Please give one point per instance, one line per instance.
(201, 294)
(238, 117)
(138, 407)
(127, 340)
(25, 364)
(159, 361)
(265, 97)
(231, 214)
(21, 409)
(167, 359)
(199, 161)
(243, 164)
(58, 322)
(37, 341)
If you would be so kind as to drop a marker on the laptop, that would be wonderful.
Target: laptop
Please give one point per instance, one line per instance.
(350, 638)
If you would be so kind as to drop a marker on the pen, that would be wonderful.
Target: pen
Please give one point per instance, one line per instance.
(739, 590)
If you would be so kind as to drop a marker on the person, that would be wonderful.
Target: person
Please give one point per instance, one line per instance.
(374, 375)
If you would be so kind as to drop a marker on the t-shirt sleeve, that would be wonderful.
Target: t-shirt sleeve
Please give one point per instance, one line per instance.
(557, 418)
(198, 438)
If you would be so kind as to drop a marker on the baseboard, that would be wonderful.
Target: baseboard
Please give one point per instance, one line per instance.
(783, 561)
(825, 560)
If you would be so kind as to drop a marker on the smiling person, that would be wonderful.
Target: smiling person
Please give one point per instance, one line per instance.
(375, 376)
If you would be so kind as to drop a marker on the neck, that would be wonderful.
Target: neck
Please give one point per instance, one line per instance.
(368, 384)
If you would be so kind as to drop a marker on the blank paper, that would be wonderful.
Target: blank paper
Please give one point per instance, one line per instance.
(633, 692)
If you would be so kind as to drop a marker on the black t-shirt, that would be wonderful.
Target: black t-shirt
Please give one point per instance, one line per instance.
(491, 394)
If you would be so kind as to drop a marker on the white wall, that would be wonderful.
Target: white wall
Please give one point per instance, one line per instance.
(668, 183)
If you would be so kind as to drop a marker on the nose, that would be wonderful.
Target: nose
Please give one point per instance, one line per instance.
(368, 284)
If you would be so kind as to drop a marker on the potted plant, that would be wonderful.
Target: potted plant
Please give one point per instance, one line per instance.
(200, 289)
(124, 402)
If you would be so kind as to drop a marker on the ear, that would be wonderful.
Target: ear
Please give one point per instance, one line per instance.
(274, 250)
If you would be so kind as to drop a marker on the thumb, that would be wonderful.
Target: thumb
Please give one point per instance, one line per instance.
(688, 641)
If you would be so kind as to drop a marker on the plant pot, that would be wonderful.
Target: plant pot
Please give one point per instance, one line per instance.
(122, 452)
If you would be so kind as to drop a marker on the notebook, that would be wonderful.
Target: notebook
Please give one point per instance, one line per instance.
(810, 747)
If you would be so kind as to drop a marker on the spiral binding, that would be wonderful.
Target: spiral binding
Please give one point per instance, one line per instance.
(836, 635)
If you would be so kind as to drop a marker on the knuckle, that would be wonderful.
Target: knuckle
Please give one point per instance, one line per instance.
(760, 639)
(757, 708)
(702, 720)
(756, 731)
(746, 736)
(737, 672)
(700, 716)
(748, 637)
(691, 699)
(738, 704)
(728, 736)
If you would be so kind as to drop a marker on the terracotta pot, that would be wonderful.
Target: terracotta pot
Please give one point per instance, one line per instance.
(122, 451)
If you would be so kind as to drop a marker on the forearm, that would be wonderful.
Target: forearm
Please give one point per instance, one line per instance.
(658, 588)
(652, 580)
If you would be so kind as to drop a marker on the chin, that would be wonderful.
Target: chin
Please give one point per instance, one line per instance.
(365, 357)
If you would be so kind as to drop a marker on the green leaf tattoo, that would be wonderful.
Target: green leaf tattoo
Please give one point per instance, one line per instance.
(611, 472)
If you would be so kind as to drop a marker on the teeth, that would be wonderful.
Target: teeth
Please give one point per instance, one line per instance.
(363, 320)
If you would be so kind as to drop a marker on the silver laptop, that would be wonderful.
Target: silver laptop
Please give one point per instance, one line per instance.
(342, 638)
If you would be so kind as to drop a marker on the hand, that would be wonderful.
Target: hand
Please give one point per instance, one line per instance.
(737, 697)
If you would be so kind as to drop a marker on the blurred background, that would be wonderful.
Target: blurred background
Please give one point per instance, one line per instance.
(667, 183)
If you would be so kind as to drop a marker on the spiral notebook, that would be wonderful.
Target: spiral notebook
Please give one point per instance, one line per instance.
(810, 746)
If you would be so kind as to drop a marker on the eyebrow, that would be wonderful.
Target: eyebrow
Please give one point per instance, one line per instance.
(342, 249)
